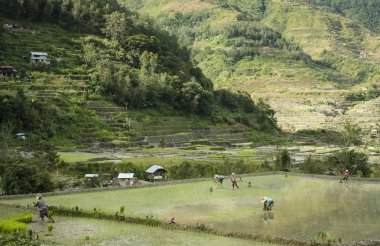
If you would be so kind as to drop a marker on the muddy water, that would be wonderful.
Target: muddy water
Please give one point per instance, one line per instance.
(350, 211)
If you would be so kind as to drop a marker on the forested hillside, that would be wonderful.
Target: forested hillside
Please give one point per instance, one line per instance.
(128, 58)
(113, 76)
(366, 12)
(304, 57)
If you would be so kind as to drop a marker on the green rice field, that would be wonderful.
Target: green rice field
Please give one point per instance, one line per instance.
(79, 231)
(304, 206)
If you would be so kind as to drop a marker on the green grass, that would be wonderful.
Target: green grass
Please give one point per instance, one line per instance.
(76, 157)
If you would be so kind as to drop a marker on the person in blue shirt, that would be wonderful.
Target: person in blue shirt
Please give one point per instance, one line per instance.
(268, 203)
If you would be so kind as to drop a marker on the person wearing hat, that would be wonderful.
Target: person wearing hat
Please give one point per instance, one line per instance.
(233, 181)
(41, 206)
(346, 174)
(268, 203)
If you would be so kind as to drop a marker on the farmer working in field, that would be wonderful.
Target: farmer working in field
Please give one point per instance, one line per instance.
(346, 174)
(233, 181)
(218, 178)
(40, 204)
(268, 203)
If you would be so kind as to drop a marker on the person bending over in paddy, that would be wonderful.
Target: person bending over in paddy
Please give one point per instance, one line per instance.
(268, 203)
(233, 181)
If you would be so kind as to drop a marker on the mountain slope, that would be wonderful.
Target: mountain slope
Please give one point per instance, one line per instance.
(114, 61)
(303, 59)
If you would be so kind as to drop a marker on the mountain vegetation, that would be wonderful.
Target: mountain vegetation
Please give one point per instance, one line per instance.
(241, 63)
(110, 54)
(366, 12)
(292, 49)
(129, 60)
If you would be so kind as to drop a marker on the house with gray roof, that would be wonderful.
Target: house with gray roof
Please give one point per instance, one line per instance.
(39, 57)
(156, 173)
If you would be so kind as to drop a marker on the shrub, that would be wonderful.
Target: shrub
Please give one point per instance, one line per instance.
(283, 160)
(355, 162)
(122, 209)
(313, 166)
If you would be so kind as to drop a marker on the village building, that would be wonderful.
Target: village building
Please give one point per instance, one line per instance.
(126, 179)
(156, 173)
(39, 57)
(91, 175)
(8, 71)
(21, 135)
(8, 26)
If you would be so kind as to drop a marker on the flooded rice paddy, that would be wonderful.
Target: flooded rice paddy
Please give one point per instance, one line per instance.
(78, 231)
(303, 206)
(350, 211)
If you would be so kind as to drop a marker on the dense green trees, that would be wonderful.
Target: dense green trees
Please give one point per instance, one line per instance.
(25, 169)
(250, 10)
(28, 115)
(143, 68)
(365, 11)
(82, 14)
(283, 160)
(132, 62)
(355, 162)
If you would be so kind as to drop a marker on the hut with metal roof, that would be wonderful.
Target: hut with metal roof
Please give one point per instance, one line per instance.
(91, 175)
(39, 57)
(125, 179)
(156, 173)
(8, 71)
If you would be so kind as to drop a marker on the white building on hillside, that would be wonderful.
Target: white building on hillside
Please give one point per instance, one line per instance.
(37, 57)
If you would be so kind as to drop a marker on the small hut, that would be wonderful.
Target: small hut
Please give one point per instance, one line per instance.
(21, 135)
(7, 71)
(156, 173)
(126, 179)
(91, 175)
(91, 180)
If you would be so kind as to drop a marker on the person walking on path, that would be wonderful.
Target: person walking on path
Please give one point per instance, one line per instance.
(233, 181)
(41, 206)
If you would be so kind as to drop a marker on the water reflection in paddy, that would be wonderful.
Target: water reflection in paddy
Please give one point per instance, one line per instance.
(350, 211)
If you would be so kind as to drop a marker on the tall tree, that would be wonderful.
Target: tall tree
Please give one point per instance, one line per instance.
(116, 27)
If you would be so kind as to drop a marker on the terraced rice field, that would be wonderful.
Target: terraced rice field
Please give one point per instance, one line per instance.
(304, 206)
(73, 231)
